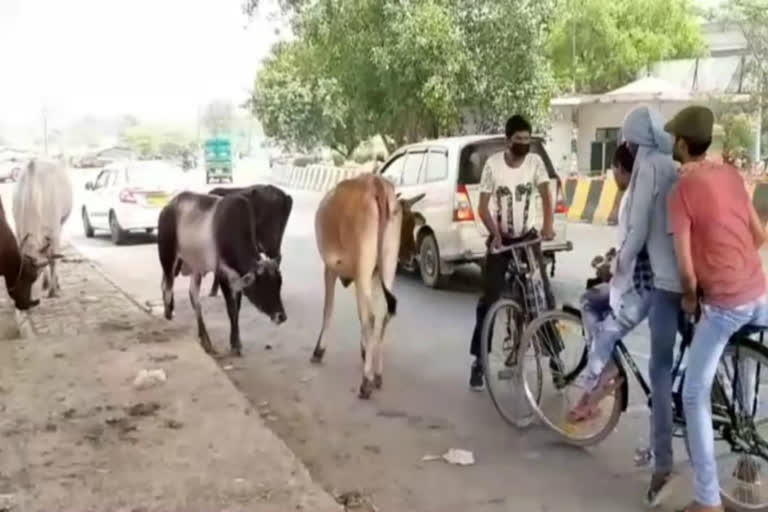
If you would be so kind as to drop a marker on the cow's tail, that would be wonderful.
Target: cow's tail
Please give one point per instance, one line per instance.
(382, 203)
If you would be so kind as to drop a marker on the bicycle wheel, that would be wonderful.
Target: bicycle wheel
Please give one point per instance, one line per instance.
(558, 337)
(740, 419)
(499, 348)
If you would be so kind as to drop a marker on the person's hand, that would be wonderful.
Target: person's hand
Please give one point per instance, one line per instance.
(690, 303)
(547, 233)
(496, 242)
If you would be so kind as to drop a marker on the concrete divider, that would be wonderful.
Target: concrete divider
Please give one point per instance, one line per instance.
(596, 200)
(313, 177)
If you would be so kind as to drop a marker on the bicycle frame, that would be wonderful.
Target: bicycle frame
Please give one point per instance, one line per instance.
(726, 418)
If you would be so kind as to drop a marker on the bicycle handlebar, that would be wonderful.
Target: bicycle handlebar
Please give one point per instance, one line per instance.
(516, 245)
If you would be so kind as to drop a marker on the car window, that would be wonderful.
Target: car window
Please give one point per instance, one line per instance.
(412, 168)
(436, 166)
(473, 158)
(103, 177)
(394, 170)
(537, 146)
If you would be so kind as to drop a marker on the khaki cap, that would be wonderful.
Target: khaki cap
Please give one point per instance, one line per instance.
(694, 122)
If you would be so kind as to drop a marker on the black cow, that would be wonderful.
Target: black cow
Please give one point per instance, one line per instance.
(271, 209)
(19, 270)
(199, 233)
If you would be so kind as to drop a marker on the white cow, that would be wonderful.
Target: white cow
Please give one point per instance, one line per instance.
(42, 202)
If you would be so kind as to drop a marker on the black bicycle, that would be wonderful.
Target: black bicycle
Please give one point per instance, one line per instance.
(735, 400)
(523, 299)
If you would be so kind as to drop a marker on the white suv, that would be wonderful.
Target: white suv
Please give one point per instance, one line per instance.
(448, 171)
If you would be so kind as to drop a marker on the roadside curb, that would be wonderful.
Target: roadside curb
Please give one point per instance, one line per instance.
(279, 450)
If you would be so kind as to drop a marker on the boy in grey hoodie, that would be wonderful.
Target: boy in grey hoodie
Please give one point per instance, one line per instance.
(653, 175)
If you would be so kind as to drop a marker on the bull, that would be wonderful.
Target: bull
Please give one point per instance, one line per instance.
(271, 208)
(201, 233)
(359, 226)
(42, 203)
(18, 270)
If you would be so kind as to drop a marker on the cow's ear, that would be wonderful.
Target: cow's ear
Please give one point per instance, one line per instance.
(243, 281)
(419, 220)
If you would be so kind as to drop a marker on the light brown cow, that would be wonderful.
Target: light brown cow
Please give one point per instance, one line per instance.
(358, 226)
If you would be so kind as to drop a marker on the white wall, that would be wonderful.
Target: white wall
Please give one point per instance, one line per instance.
(559, 139)
(609, 115)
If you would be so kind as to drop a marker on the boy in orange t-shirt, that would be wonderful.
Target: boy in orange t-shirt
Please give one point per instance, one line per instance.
(717, 234)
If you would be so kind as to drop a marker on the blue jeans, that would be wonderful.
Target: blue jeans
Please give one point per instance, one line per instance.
(663, 315)
(713, 331)
(605, 327)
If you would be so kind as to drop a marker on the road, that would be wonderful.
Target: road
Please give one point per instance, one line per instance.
(425, 407)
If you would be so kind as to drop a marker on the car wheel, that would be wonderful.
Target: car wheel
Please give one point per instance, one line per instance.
(87, 228)
(117, 233)
(429, 261)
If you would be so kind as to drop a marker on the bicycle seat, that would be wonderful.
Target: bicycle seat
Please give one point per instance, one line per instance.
(748, 330)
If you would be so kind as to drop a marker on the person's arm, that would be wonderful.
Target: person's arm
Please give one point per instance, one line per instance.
(541, 180)
(638, 224)
(680, 227)
(487, 187)
(756, 226)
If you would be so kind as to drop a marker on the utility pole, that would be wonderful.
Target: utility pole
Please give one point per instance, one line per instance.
(45, 129)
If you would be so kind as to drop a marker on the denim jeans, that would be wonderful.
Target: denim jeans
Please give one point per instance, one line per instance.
(663, 315)
(713, 331)
(605, 327)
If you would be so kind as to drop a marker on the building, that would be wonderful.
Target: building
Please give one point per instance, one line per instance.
(585, 128)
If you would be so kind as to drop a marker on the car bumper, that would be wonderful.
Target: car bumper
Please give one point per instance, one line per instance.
(138, 217)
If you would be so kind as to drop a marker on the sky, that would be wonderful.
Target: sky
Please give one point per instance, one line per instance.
(155, 59)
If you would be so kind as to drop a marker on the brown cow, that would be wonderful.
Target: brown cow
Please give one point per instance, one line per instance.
(358, 227)
(20, 272)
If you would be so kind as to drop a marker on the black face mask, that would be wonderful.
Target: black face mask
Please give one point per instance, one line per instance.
(519, 149)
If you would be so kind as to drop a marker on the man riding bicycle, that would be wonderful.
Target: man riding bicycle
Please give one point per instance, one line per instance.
(509, 181)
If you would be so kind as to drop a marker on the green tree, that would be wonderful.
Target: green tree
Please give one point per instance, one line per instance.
(152, 140)
(403, 69)
(597, 46)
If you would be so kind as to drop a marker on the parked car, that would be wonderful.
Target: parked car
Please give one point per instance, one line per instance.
(127, 196)
(11, 164)
(448, 171)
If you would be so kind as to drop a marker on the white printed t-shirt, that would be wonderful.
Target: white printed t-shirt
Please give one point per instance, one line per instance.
(511, 188)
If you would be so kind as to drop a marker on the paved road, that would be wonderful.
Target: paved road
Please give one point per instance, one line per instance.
(425, 407)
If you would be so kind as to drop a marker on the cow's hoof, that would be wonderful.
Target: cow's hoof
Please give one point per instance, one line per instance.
(168, 314)
(209, 349)
(236, 351)
(366, 388)
(378, 380)
(318, 354)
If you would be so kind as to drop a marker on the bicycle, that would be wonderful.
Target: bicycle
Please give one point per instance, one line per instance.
(523, 300)
(733, 422)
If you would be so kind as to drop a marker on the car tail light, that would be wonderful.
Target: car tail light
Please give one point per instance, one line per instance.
(127, 196)
(463, 208)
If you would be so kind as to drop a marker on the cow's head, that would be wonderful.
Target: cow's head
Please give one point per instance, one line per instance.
(20, 289)
(411, 219)
(261, 285)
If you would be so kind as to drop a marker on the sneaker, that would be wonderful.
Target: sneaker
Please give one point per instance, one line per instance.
(659, 488)
(477, 377)
(643, 457)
